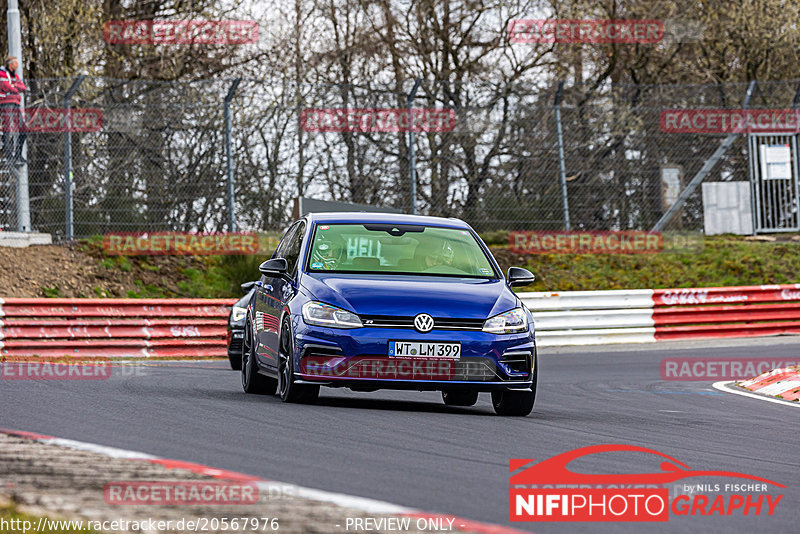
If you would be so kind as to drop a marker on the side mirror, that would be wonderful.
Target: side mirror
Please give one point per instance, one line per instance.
(517, 276)
(274, 267)
(247, 286)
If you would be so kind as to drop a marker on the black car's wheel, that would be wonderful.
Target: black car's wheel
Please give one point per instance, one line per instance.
(460, 397)
(287, 388)
(512, 402)
(516, 402)
(236, 361)
(252, 381)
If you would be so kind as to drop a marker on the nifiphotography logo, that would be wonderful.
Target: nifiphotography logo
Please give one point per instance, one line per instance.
(549, 491)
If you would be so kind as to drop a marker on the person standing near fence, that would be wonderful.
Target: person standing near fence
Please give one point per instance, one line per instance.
(11, 89)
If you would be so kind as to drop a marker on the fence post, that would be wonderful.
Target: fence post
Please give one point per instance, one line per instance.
(412, 158)
(70, 220)
(561, 167)
(229, 153)
(20, 172)
(704, 170)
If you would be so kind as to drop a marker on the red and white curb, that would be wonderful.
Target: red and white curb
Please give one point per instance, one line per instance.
(783, 383)
(780, 386)
(363, 504)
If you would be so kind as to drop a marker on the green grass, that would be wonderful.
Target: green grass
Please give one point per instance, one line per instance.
(117, 262)
(51, 292)
(718, 261)
(721, 261)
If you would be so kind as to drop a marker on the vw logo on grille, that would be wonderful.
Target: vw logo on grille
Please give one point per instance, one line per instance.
(423, 322)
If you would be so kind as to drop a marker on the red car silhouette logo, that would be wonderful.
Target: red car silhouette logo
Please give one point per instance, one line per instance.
(554, 470)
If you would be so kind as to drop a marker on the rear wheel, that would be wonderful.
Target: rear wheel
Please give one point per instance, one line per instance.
(287, 388)
(464, 397)
(252, 381)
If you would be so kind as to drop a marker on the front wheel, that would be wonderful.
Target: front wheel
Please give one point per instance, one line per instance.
(513, 402)
(460, 397)
(287, 388)
(252, 381)
(236, 361)
(517, 402)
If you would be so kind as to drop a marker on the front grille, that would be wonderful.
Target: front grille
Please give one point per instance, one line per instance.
(439, 323)
(329, 364)
(476, 369)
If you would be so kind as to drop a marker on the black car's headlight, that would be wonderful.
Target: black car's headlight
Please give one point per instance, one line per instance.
(237, 314)
(320, 314)
(509, 322)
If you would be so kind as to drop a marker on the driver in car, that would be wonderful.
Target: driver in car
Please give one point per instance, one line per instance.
(328, 254)
(433, 254)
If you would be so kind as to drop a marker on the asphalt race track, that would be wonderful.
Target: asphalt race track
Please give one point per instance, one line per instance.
(408, 449)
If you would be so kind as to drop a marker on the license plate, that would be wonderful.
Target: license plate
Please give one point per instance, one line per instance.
(424, 349)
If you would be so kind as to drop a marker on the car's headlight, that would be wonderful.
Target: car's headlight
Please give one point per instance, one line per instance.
(509, 322)
(320, 314)
(238, 314)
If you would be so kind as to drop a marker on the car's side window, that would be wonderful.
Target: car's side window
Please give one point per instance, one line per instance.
(293, 252)
(280, 251)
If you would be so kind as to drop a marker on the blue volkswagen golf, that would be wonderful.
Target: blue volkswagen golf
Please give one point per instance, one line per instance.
(373, 301)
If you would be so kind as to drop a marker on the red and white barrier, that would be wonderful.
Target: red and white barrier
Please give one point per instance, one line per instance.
(646, 315)
(113, 327)
(783, 383)
(197, 327)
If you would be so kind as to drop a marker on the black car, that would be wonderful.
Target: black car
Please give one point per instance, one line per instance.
(236, 321)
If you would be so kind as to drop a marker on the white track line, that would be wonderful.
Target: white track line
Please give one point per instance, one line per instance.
(363, 504)
(347, 501)
(723, 386)
(111, 452)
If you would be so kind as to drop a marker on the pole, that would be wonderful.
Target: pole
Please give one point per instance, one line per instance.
(561, 166)
(704, 170)
(412, 159)
(21, 172)
(68, 185)
(229, 153)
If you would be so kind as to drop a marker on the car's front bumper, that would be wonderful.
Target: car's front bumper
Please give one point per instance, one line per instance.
(234, 341)
(359, 358)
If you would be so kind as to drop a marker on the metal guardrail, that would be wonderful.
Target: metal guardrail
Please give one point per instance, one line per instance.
(197, 327)
(727, 311)
(646, 315)
(113, 327)
(591, 317)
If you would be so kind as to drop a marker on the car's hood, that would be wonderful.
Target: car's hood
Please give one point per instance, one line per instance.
(402, 295)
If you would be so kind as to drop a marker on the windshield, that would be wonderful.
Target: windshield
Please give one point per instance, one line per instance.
(398, 248)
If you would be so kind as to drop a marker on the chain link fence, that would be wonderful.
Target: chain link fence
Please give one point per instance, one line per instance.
(157, 160)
